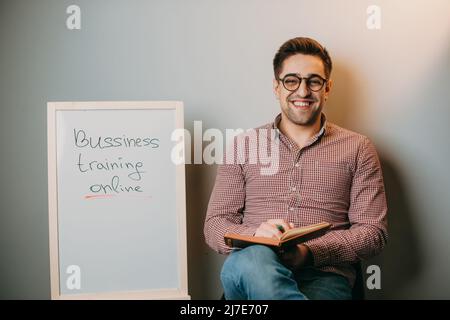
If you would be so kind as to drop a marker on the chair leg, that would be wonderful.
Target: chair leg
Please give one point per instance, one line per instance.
(358, 292)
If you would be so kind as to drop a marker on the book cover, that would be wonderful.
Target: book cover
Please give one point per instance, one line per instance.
(289, 238)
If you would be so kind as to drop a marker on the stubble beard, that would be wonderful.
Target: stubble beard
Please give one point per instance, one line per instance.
(307, 118)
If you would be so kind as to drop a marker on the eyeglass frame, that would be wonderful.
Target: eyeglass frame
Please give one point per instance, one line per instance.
(301, 79)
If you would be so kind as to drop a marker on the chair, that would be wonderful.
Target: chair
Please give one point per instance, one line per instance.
(358, 292)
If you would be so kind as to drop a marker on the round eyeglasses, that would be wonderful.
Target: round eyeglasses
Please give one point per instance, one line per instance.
(292, 82)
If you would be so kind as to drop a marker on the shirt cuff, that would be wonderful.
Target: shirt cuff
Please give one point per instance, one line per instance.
(239, 229)
(319, 251)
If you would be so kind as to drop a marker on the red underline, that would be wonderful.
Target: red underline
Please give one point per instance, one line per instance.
(100, 196)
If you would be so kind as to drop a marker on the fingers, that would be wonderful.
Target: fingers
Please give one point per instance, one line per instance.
(268, 230)
(280, 222)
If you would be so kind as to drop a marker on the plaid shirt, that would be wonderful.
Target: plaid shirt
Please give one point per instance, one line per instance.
(336, 177)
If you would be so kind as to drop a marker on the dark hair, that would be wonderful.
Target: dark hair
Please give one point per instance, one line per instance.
(304, 46)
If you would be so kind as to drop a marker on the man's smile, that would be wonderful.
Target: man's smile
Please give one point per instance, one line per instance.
(302, 104)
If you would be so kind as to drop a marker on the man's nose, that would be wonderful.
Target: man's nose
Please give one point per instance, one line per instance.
(303, 89)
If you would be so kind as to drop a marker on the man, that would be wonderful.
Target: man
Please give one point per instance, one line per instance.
(325, 174)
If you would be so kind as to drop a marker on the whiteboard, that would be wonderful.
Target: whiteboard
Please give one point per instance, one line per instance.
(117, 215)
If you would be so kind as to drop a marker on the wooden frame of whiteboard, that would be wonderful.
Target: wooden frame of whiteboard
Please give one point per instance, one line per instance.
(52, 107)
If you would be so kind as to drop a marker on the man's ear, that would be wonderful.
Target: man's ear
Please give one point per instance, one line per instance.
(276, 85)
(328, 88)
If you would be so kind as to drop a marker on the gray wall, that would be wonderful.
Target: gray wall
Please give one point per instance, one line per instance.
(391, 84)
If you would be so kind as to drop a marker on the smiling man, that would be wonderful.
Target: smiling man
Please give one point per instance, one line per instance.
(325, 174)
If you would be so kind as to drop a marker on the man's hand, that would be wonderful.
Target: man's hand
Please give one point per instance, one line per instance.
(297, 257)
(269, 228)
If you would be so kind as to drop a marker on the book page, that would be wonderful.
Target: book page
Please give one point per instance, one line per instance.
(302, 230)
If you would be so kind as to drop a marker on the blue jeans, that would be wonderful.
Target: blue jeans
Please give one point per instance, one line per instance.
(256, 273)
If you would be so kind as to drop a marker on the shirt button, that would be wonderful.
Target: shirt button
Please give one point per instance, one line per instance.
(297, 165)
(291, 209)
(294, 188)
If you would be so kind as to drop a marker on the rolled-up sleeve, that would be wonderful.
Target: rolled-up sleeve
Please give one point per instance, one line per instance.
(367, 215)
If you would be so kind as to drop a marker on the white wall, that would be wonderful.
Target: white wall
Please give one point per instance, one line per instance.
(391, 84)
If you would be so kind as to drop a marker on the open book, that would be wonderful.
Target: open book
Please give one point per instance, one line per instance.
(289, 238)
